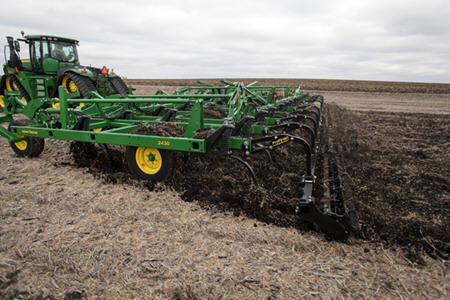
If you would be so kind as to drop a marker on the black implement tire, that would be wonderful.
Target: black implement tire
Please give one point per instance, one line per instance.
(119, 86)
(143, 168)
(84, 84)
(30, 146)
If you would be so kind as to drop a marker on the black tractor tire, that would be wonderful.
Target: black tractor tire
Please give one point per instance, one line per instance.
(22, 90)
(2, 91)
(166, 163)
(3, 84)
(33, 146)
(84, 84)
(119, 85)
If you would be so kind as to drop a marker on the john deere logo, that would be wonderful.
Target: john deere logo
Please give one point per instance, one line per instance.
(29, 131)
(280, 141)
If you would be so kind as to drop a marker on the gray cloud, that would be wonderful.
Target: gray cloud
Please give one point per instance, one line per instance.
(374, 40)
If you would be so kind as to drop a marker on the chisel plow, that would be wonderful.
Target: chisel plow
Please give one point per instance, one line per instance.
(64, 100)
(231, 119)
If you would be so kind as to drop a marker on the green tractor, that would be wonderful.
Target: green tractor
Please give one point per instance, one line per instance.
(38, 64)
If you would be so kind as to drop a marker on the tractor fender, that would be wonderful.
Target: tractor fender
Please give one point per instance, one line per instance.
(80, 70)
(96, 72)
(113, 75)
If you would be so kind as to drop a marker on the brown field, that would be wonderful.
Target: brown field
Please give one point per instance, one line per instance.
(72, 231)
(317, 84)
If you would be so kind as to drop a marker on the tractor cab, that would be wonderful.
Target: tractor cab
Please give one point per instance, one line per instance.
(49, 53)
(42, 54)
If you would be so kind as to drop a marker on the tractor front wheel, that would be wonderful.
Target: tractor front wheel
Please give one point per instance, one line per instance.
(29, 146)
(149, 163)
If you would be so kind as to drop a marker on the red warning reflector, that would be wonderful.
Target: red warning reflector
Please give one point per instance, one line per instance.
(84, 71)
(104, 70)
(16, 70)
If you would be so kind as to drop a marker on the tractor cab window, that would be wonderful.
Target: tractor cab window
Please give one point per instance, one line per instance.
(39, 51)
(45, 49)
(24, 52)
(62, 51)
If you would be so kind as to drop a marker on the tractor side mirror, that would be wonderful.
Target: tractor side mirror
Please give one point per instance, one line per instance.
(17, 46)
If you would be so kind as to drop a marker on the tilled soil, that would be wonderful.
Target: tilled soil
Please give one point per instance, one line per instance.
(397, 164)
(399, 167)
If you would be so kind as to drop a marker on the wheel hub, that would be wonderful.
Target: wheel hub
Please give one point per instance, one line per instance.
(21, 145)
(148, 160)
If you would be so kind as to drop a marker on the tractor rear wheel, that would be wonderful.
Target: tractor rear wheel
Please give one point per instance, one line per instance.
(118, 85)
(13, 84)
(29, 146)
(149, 163)
(74, 82)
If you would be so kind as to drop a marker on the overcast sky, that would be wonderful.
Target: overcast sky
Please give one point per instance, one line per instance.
(356, 39)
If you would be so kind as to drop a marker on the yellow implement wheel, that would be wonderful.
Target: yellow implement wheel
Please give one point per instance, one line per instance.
(149, 163)
(68, 83)
(2, 103)
(148, 160)
(21, 145)
(29, 146)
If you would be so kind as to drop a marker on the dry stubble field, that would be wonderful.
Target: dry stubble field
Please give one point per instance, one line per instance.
(75, 232)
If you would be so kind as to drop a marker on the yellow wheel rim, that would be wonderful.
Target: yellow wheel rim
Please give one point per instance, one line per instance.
(68, 83)
(73, 87)
(148, 160)
(21, 145)
(97, 129)
(11, 86)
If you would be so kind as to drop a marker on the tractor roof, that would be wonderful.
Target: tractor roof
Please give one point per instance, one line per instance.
(50, 37)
